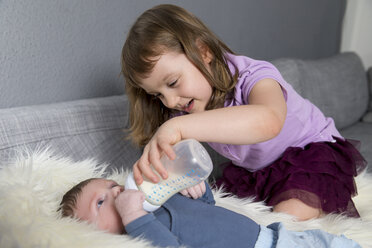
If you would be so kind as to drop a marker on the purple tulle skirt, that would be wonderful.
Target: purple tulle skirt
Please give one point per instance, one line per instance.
(321, 175)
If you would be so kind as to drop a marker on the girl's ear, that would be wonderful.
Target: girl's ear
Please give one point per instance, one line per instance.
(204, 51)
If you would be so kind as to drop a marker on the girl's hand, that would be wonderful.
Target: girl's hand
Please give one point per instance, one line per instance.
(195, 191)
(129, 205)
(162, 141)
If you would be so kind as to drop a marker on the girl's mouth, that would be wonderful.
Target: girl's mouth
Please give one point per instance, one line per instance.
(188, 107)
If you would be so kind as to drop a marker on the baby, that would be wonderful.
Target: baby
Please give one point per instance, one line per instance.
(181, 221)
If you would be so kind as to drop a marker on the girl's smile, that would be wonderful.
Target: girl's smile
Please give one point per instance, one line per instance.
(187, 108)
(178, 83)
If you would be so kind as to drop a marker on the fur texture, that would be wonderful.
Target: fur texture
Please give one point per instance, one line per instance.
(32, 187)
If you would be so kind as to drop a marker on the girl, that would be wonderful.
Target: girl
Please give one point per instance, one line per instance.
(183, 82)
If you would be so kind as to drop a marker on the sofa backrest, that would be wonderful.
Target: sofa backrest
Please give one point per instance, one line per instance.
(84, 129)
(95, 128)
(337, 85)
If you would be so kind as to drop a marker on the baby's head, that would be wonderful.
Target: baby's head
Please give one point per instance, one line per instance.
(93, 200)
(169, 29)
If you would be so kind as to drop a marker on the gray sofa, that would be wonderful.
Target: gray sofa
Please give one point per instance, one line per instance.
(95, 128)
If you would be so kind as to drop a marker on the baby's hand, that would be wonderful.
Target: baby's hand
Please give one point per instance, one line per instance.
(195, 191)
(129, 205)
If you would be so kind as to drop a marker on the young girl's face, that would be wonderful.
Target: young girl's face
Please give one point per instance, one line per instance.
(96, 204)
(178, 83)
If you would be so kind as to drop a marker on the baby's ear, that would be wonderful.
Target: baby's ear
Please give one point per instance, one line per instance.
(205, 52)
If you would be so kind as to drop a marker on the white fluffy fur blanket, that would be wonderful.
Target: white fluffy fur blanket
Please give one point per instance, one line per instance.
(32, 187)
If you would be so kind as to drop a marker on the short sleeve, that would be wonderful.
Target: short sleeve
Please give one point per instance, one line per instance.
(255, 71)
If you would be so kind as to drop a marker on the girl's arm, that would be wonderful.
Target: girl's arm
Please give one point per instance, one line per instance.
(260, 120)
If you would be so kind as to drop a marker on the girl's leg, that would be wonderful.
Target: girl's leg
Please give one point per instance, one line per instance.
(297, 208)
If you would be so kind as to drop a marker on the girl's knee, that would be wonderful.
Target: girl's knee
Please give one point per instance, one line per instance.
(298, 209)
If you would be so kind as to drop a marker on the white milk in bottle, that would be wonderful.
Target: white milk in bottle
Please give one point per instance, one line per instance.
(191, 166)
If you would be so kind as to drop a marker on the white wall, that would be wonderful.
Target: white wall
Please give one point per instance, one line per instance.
(357, 30)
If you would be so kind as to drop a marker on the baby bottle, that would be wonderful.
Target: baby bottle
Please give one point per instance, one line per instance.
(191, 166)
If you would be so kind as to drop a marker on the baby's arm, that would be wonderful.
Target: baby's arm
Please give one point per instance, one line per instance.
(206, 194)
(195, 191)
(151, 229)
(129, 205)
(139, 223)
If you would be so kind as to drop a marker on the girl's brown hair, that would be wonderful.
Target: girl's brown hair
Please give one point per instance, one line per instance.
(160, 29)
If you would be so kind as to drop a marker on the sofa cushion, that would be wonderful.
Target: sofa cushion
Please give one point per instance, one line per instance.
(369, 76)
(363, 132)
(337, 85)
(368, 116)
(90, 128)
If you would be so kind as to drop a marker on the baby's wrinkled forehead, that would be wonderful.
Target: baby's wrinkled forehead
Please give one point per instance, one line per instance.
(99, 183)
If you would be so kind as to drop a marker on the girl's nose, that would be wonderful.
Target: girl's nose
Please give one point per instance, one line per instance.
(171, 101)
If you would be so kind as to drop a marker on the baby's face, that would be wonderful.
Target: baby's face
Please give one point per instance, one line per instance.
(96, 204)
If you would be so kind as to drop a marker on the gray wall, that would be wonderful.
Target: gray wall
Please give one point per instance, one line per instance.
(60, 50)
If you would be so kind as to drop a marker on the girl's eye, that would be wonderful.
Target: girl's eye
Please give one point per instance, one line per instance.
(99, 203)
(172, 84)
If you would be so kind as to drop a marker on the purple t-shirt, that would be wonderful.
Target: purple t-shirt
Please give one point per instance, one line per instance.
(304, 122)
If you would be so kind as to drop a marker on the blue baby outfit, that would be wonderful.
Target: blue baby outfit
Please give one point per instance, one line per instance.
(275, 235)
(182, 221)
(195, 223)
